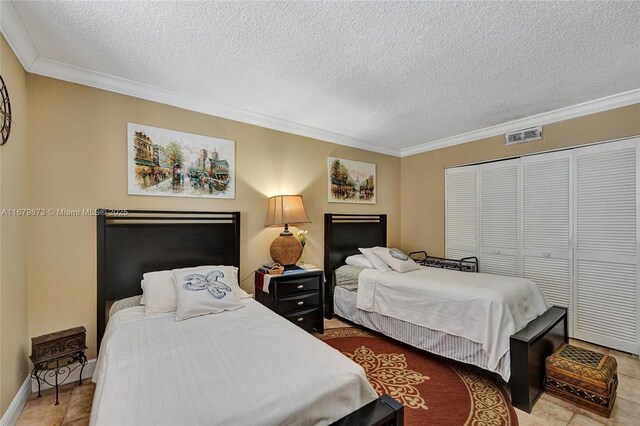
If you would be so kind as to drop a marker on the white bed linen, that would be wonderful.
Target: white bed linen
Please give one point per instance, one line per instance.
(436, 342)
(248, 366)
(483, 308)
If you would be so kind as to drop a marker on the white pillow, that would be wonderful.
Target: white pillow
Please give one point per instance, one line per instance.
(358, 260)
(375, 260)
(395, 258)
(206, 290)
(159, 292)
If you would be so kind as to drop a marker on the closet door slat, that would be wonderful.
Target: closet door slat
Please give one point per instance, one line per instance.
(546, 225)
(606, 245)
(461, 212)
(500, 217)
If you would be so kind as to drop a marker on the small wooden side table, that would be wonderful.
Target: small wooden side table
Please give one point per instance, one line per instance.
(53, 354)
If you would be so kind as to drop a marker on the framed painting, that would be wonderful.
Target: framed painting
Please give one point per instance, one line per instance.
(168, 163)
(351, 181)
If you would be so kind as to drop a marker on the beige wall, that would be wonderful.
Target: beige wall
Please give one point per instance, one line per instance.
(13, 235)
(422, 215)
(77, 150)
(77, 160)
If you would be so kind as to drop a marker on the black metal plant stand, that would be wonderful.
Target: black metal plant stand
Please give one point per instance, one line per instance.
(54, 354)
(57, 371)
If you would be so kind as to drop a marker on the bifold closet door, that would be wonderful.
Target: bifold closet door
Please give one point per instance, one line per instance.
(461, 212)
(546, 224)
(606, 253)
(499, 217)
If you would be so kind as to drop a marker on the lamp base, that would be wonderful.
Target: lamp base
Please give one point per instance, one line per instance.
(286, 250)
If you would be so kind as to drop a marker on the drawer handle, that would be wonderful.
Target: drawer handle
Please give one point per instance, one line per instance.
(301, 303)
(300, 319)
(301, 286)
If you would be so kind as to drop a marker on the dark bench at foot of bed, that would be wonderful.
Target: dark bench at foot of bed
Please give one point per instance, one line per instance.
(529, 348)
(384, 411)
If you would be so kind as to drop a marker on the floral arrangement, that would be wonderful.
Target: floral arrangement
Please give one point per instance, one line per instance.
(302, 236)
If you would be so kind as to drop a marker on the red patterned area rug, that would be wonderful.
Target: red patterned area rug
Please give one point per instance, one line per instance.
(433, 390)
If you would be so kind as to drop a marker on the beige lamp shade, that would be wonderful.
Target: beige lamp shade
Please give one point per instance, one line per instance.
(285, 210)
(282, 211)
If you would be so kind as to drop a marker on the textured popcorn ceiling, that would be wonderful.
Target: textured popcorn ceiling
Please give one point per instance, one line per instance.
(393, 74)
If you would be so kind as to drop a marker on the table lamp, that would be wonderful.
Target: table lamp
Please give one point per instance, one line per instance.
(284, 210)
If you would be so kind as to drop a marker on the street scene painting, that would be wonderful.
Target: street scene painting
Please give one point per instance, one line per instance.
(175, 164)
(351, 181)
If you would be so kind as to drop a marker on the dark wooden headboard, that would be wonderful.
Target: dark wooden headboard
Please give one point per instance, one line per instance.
(343, 235)
(154, 240)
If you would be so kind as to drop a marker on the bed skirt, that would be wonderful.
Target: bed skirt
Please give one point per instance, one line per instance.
(436, 342)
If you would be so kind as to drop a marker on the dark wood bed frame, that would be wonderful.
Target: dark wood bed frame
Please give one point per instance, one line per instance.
(345, 233)
(139, 241)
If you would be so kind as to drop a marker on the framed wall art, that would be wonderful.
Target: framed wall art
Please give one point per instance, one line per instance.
(168, 163)
(351, 181)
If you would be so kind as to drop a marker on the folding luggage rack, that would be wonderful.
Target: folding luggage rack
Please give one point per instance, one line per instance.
(466, 264)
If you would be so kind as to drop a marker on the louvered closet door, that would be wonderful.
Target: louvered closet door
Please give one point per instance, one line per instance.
(546, 224)
(499, 217)
(461, 228)
(606, 245)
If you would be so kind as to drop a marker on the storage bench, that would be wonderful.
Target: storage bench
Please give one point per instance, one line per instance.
(529, 349)
(586, 378)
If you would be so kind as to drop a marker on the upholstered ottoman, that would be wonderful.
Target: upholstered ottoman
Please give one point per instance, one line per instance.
(586, 378)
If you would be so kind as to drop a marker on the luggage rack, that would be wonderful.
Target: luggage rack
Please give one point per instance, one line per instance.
(466, 264)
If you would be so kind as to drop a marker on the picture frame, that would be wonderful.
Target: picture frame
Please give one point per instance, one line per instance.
(169, 163)
(351, 181)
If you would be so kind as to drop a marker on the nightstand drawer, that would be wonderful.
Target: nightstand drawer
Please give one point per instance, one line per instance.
(299, 285)
(295, 303)
(304, 319)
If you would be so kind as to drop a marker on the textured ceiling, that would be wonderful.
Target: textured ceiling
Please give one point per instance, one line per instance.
(392, 74)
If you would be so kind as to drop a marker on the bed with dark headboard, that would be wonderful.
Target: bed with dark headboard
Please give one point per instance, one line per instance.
(139, 241)
(345, 233)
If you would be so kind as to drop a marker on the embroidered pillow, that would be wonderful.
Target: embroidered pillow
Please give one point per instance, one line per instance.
(358, 260)
(158, 292)
(209, 290)
(375, 260)
(399, 261)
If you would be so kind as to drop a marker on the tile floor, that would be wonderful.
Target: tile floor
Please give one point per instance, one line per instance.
(75, 401)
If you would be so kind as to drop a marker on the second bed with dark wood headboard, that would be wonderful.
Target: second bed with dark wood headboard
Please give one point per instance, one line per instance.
(344, 234)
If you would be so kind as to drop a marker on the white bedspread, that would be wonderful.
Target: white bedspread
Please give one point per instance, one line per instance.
(484, 308)
(242, 367)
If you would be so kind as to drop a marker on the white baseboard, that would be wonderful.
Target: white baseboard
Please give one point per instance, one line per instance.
(73, 377)
(10, 416)
(30, 385)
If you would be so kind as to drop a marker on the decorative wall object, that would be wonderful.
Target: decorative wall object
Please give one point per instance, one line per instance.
(351, 181)
(175, 164)
(5, 113)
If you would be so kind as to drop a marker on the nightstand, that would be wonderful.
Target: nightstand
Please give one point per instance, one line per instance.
(297, 297)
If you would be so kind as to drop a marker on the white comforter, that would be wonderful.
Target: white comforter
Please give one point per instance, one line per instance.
(242, 367)
(484, 308)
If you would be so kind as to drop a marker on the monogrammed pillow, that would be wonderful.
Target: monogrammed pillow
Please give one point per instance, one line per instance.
(206, 290)
(396, 259)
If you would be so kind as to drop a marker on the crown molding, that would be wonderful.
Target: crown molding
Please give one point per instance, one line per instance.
(574, 111)
(74, 74)
(19, 40)
(14, 32)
